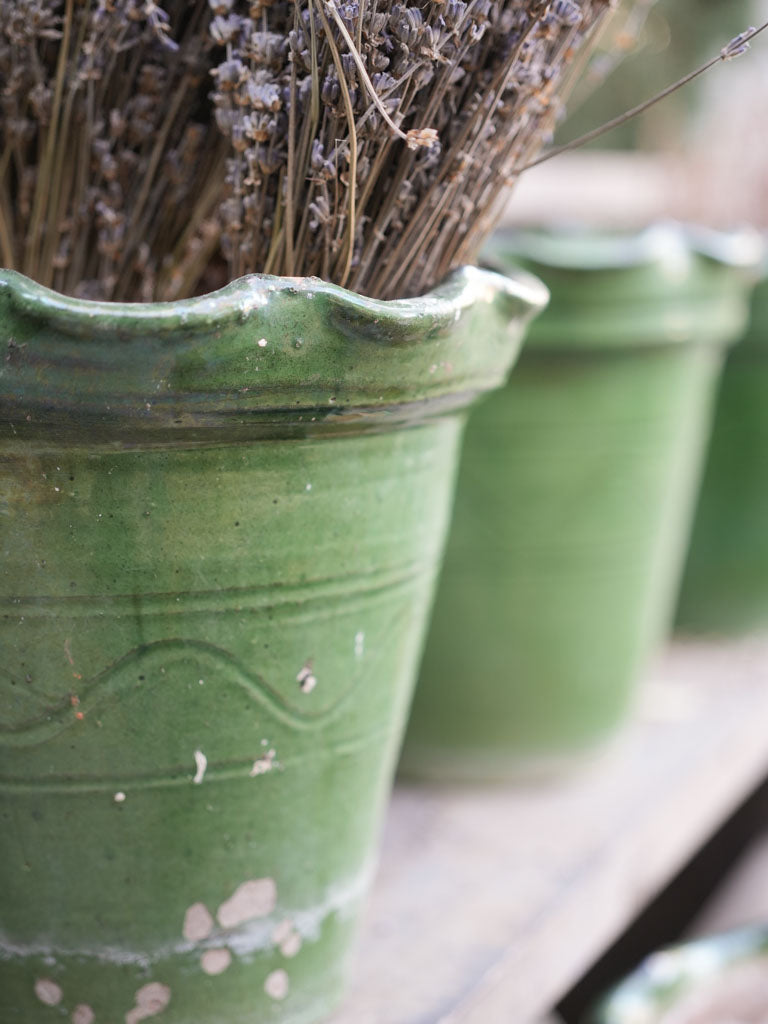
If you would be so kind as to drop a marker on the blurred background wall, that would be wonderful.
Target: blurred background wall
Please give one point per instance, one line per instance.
(700, 155)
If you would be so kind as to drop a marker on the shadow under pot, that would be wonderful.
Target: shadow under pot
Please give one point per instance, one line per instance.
(725, 584)
(722, 979)
(220, 523)
(574, 499)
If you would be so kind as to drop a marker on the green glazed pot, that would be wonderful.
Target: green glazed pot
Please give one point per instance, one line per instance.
(675, 985)
(725, 584)
(574, 499)
(221, 520)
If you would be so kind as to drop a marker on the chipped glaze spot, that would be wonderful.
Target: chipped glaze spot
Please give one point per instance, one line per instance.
(282, 931)
(276, 986)
(48, 991)
(263, 764)
(306, 679)
(201, 763)
(287, 939)
(291, 945)
(83, 1014)
(215, 961)
(256, 898)
(198, 923)
(150, 1000)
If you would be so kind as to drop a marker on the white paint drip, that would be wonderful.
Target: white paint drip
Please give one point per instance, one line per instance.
(198, 923)
(201, 763)
(150, 1000)
(215, 961)
(83, 1014)
(277, 984)
(253, 899)
(48, 992)
(253, 937)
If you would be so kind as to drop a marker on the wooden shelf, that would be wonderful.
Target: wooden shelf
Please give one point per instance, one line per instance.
(490, 903)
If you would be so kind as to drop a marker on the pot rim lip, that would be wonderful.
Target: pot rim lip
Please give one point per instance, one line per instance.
(579, 248)
(648, 988)
(440, 306)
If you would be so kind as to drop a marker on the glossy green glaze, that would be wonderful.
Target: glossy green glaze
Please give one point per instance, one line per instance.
(659, 989)
(725, 584)
(220, 523)
(573, 503)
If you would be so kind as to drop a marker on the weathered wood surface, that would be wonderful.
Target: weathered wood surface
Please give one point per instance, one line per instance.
(490, 903)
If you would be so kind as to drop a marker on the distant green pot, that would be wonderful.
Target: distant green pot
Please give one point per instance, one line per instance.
(574, 501)
(725, 584)
(220, 522)
(675, 985)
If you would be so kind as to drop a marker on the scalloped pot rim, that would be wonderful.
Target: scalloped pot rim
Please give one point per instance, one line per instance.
(262, 350)
(460, 290)
(576, 248)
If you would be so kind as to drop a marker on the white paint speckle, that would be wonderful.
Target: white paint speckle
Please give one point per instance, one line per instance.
(306, 679)
(198, 923)
(215, 961)
(83, 1014)
(150, 1000)
(264, 764)
(201, 763)
(262, 343)
(119, 798)
(276, 986)
(256, 898)
(48, 992)
(359, 643)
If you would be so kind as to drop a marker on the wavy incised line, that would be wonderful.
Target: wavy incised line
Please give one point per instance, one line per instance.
(162, 653)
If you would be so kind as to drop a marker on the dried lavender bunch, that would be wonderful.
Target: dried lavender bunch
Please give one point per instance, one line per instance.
(321, 181)
(367, 142)
(110, 174)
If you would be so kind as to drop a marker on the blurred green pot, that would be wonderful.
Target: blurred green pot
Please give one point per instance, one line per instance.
(220, 525)
(725, 584)
(574, 500)
(694, 983)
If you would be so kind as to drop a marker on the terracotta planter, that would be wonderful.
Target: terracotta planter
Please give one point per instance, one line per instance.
(725, 585)
(574, 501)
(711, 981)
(220, 524)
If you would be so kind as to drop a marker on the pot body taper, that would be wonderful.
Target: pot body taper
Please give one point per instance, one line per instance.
(573, 504)
(725, 583)
(221, 521)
